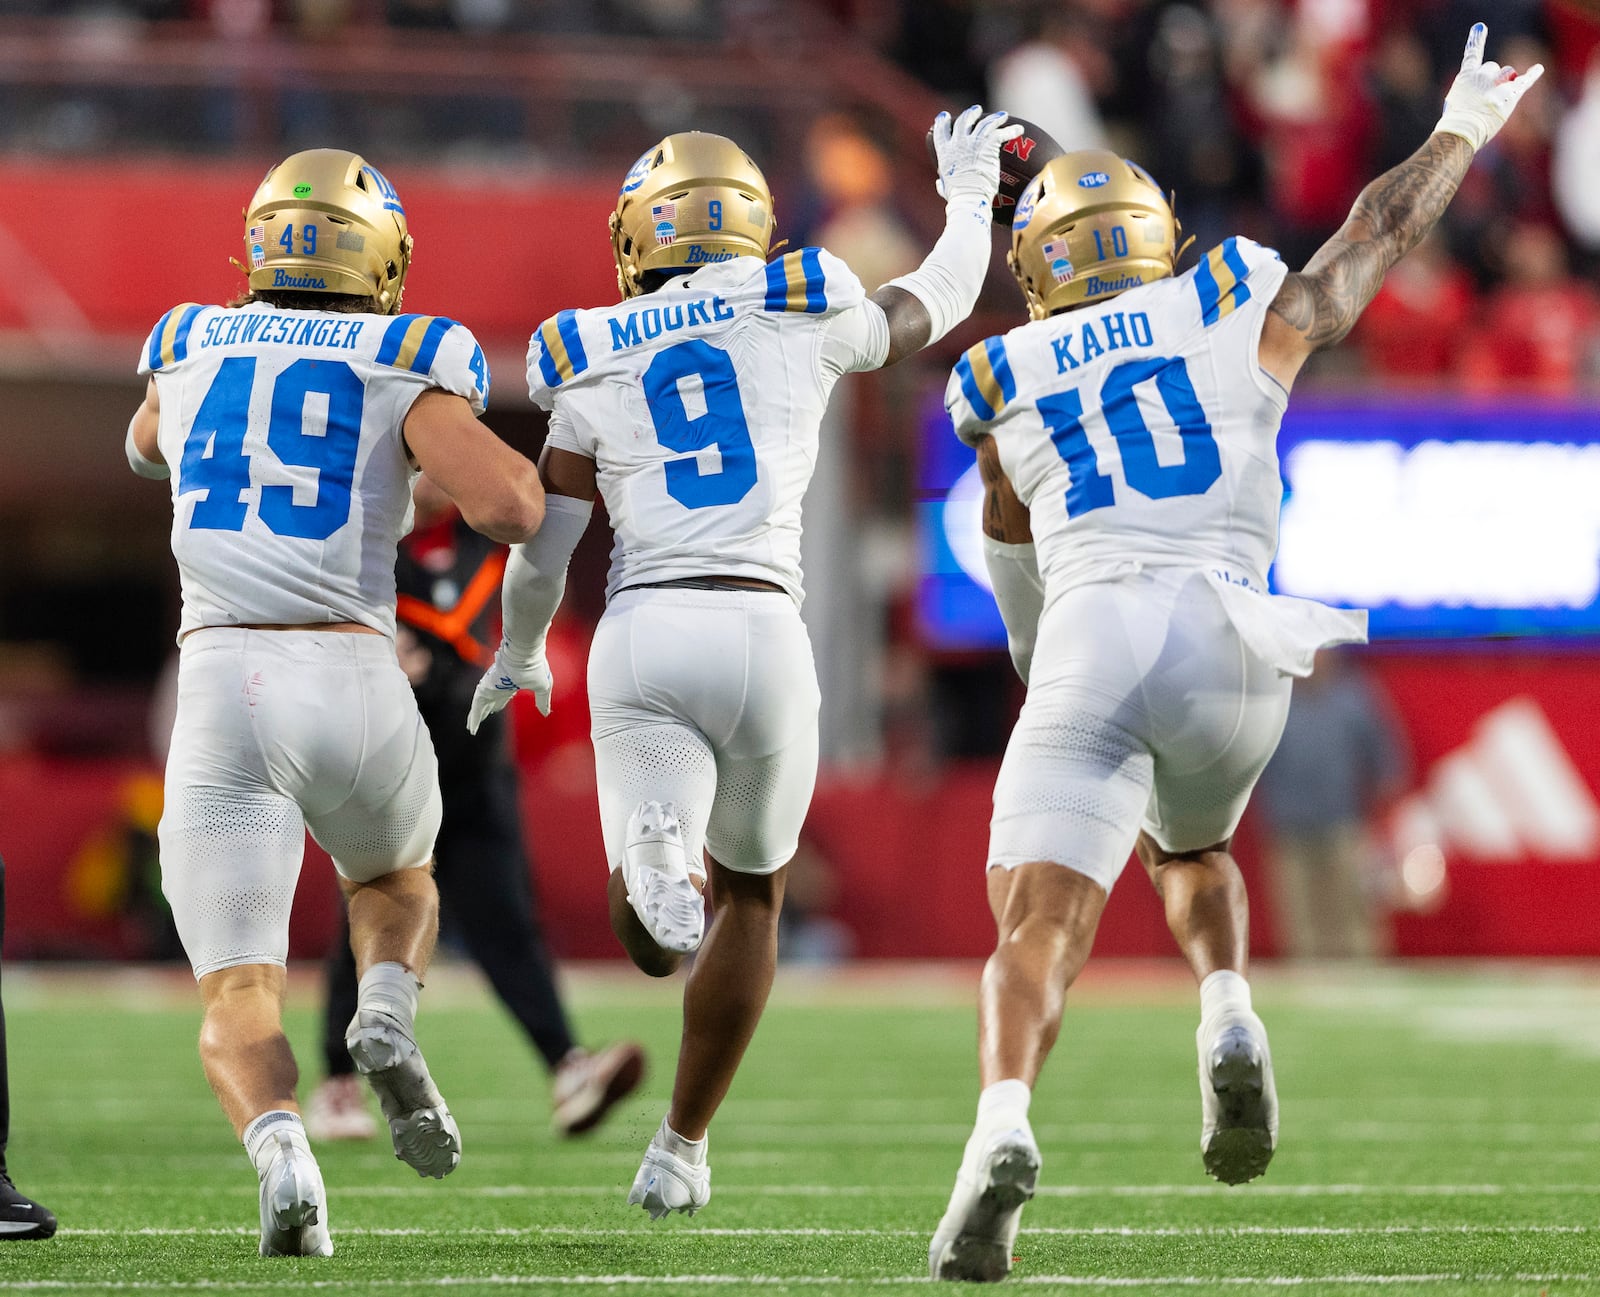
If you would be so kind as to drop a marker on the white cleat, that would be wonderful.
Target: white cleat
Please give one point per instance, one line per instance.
(657, 873)
(294, 1211)
(423, 1131)
(1238, 1100)
(666, 1183)
(979, 1229)
(337, 1110)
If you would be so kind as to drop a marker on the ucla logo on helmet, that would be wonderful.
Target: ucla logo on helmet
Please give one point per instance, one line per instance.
(386, 191)
(1093, 180)
(1025, 206)
(637, 172)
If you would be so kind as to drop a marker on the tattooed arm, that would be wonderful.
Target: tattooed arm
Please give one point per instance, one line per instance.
(1319, 306)
(1005, 518)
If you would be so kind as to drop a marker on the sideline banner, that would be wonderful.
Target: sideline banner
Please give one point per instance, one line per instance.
(1507, 790)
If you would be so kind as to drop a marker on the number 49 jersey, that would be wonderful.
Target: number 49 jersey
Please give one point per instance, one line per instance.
(291, 485)
(700, 405)
(1141, 429)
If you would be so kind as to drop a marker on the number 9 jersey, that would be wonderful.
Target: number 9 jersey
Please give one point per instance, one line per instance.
(291, 482)
(700, 404)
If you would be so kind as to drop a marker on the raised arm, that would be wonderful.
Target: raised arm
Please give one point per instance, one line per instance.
(926, 304)
(1318, 306)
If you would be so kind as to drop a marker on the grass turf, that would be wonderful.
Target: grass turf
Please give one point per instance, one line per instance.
(1441, 1135)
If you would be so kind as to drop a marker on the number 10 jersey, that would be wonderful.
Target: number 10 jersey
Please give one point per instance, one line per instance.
(1141, 429)
(700, 404)
(291, 484)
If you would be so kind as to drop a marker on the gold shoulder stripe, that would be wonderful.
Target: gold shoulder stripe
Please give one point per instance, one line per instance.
(984, 377)
(169, 333)
(412, 342)
(555, 347)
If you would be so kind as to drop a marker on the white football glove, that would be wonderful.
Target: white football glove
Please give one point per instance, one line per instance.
(968, 153)
(501, 682)
(1483, 94)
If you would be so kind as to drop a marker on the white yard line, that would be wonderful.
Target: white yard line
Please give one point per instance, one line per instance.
(903, 1190)
(805, 1281)
(1084, 1231)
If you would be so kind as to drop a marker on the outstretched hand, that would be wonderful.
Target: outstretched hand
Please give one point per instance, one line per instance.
(501, 682)
(968, 153)
(1483, 94)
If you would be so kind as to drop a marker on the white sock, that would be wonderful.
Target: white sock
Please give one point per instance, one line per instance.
(1003, 1106)
(259, 1141)
(1223, 991)
(692, 1151)
(391, 988)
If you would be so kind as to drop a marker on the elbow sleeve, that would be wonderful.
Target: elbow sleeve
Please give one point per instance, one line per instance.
(948, 281)
(1019, 591)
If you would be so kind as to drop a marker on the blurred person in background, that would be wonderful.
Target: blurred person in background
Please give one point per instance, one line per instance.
(20, 1217)
(1317, 128)
(1540, 329)
(702, 688)
(448, 577)
(1340, 761)
(1412, 332)
(1575, 167)
(1052, 78)
(1133, 590)
(1194, 142)
(856, 221)
(292, 424)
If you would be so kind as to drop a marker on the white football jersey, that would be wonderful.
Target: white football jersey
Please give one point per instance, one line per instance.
(1141, 429)
(290, 481)
(700, 405)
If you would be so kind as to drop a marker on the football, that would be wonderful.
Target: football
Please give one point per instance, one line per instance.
(1020, 161)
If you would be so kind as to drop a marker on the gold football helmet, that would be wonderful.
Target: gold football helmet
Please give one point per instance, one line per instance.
(1088, 226)
(690, 200)
(326, 221)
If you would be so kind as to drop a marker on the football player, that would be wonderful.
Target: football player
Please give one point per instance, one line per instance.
(292, 424)
(1126, 439)
(693, 407)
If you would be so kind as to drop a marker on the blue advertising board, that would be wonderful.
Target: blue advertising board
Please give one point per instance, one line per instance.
(1447, 518)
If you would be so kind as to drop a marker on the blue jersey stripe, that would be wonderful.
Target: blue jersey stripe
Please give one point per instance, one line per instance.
(777, 286)
(432, 336)
(180, 340)
(567, 326)
(1235, 263)
(969, 388)
(547, 365)
(393, 338)
(1210, 295)
(1001, 365)
(153, 359)
(811, 265)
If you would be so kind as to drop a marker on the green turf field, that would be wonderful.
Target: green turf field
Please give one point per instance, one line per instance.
(1441, 1135)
